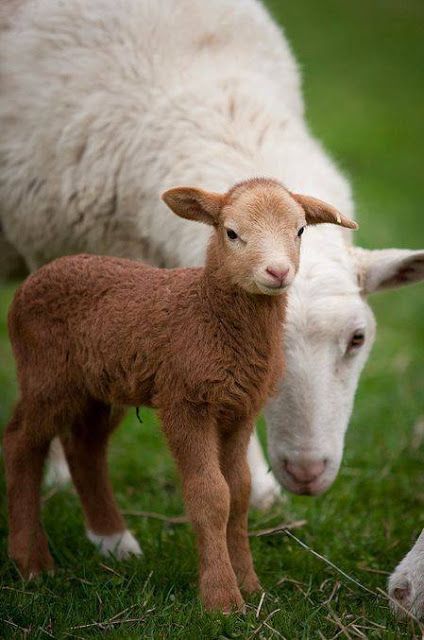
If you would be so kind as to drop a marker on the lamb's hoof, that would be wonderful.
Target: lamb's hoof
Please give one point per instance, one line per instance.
(406, 588)
(30, 551)
(34, 566)
(122, 545)
(266, 492)
(250, 584)
(224, 600)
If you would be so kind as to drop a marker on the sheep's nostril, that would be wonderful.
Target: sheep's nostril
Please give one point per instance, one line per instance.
(277, 274)
(305, 471)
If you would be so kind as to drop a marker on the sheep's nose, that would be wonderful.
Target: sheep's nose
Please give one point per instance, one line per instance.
(306, 471)
(277, 274)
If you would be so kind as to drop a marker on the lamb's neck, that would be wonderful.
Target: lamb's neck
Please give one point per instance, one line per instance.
(244, 316)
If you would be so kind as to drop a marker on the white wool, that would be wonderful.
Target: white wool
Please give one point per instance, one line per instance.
(107, 103)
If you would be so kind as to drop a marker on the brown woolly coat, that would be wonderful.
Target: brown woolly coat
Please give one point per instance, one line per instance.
(128, 334)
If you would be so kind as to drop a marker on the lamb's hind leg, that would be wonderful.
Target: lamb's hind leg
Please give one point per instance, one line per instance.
(234, 443)
(86, 452)
(26, 441)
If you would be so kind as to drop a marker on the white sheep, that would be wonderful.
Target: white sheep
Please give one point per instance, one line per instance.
(107, 103)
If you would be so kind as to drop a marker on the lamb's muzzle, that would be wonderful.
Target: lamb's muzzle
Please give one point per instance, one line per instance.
(203, 346)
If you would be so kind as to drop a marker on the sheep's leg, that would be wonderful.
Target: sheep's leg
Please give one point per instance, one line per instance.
(86, 452)
(24, 453)
(58, 474)
(193, 440)
(265, 489)
(234, 443)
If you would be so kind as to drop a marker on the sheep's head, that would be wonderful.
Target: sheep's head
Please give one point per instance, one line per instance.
(258, 226)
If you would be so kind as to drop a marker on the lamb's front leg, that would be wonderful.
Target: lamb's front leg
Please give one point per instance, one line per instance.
(406, 584)
(193, 440)
(234, 443)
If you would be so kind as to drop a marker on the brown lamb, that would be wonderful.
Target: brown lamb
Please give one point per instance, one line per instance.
(94, 334)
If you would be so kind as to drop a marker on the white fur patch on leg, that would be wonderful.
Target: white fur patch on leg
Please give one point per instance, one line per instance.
(121, 545)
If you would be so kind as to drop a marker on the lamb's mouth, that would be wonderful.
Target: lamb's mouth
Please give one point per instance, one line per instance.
(271, 289)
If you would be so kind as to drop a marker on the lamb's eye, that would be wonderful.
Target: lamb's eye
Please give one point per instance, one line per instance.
(301, 230)
(232, 234)
(357, 340)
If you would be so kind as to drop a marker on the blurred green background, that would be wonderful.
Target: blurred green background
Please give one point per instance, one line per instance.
(362, 63)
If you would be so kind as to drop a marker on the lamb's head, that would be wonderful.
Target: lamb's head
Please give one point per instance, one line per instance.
(258, 225)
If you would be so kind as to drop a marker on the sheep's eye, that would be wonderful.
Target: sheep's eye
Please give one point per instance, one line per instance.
(232, 234)
(357, 340)
(301, 230)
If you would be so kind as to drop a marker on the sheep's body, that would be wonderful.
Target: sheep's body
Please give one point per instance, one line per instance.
(114, 107)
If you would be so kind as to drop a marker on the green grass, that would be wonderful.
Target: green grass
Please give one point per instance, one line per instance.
(362, 63)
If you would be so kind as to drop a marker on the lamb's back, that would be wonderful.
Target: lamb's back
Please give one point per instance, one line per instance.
(86, 300)
(104, 324)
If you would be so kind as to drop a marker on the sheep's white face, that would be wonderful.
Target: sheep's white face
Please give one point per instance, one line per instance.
(308, 419)
(329, 334)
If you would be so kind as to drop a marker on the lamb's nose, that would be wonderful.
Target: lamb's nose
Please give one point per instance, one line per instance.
(277, 274)
(306, 471)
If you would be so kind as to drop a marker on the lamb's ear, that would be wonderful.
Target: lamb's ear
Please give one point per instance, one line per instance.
(194, 204)
(381, 269)
(317, 212)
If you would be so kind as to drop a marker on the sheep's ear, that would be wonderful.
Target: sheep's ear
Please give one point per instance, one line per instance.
(381, 269)
(194, 204)
(317, 212)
